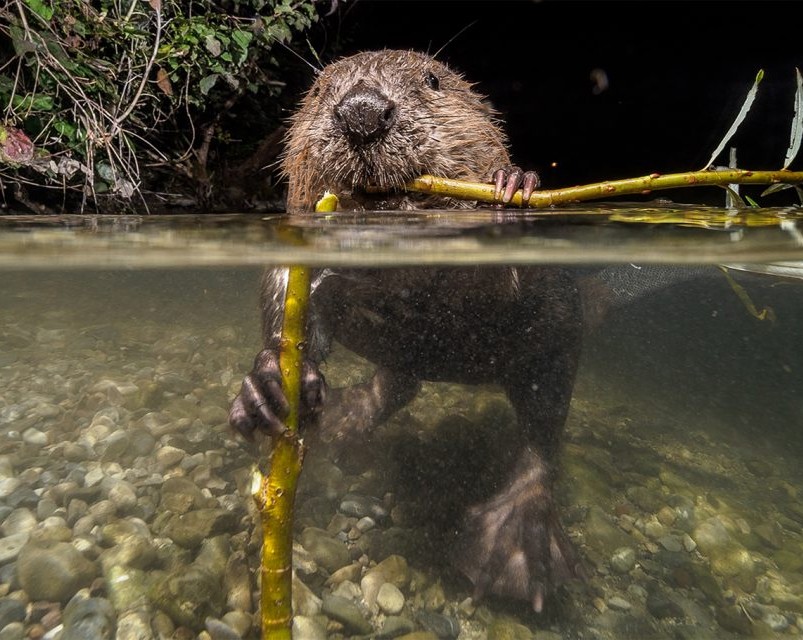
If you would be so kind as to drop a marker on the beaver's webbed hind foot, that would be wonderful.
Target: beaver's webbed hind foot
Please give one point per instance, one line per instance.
(514, 545)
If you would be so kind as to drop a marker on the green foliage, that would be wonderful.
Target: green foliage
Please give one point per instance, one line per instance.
(119, 83)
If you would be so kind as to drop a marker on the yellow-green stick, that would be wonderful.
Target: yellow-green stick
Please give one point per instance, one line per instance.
(608, 189)
(275, 495)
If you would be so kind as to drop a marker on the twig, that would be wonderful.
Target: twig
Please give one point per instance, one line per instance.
(275, 496)
(598, 190)
(157, 7)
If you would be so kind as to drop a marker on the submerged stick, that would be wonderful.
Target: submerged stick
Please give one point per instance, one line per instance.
(275, 495)
(598, 190)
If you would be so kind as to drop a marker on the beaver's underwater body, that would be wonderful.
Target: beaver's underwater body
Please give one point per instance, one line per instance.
(380, 118)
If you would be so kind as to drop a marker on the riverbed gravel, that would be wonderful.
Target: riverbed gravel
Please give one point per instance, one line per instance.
(124, 506)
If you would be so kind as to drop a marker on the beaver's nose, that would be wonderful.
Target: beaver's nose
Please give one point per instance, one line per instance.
(365, 114)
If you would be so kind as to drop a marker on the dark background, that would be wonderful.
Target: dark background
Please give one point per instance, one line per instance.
(677, 72)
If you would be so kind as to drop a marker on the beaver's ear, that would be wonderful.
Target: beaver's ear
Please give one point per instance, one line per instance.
(432, 81)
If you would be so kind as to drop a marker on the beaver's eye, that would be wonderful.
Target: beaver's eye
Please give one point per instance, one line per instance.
(432, 81)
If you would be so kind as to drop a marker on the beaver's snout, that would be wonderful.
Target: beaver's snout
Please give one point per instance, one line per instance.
(365, 114)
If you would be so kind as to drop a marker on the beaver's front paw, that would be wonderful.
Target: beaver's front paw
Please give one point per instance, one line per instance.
(261, 403)
(514, 545)
(508, 180)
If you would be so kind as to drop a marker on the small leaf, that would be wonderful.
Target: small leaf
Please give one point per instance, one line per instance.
(212, 45)
(163, 82)
(748, 102)
(41, 9)
(43, 103)
(64, 128)
(242, 39)
(775, 188)
(208, 82)
(797, 123)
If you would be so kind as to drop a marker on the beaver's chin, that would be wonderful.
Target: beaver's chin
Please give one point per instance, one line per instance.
(374, 198)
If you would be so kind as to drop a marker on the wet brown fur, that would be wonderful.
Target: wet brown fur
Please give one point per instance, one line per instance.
(450, 131)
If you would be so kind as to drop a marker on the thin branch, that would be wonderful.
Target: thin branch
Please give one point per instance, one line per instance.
(147, 72)
(598, 190)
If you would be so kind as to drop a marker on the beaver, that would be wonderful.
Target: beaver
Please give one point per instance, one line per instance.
(376, 119)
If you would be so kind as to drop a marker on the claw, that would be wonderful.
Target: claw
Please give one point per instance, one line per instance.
(261, 403)
(508, 180)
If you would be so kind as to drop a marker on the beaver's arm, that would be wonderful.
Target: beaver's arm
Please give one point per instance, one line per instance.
(261, 403)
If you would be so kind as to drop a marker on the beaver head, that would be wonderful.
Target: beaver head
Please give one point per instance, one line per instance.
(380, 118)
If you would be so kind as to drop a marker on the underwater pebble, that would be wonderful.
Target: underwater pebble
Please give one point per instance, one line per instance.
(219, 630)
(34, 437)
(13, 631)
(390, 599)
(306, 628)
(327, 552)
(623, 560)
(53, 571)
(345, 612)
(671, 543)
(661, 606)
(11, 611)
(361, 506)
(618, 604)
(89, 618)
(19, 521)
(441, 625)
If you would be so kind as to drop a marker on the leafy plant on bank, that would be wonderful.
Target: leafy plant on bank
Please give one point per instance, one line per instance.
(97, 94)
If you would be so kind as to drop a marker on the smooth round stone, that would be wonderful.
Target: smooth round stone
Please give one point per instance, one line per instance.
(190, 529)
(305, 602)
(13, 631)
(325, 550)
(189, 595)
(167, 457)
(219, 630)
(508, 629)
(34, 437)
(8, 486)
(395, 626)
(661, 607)
(347, 613)
(671, 543)
(89, 618)
(74, 452)
(240, 621)
(123, 496)
(134, 625)
(115, 446)
(94, 477)
(306, 628)
(359, 506)
(10, 547)
(11, 610)
(237, 583)
(45, 507)
(619, 604)
(390, 599)
(103, 511)
(20, 520)
(710, 535)
(623, 560)
(439, 624)
(53, 571)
